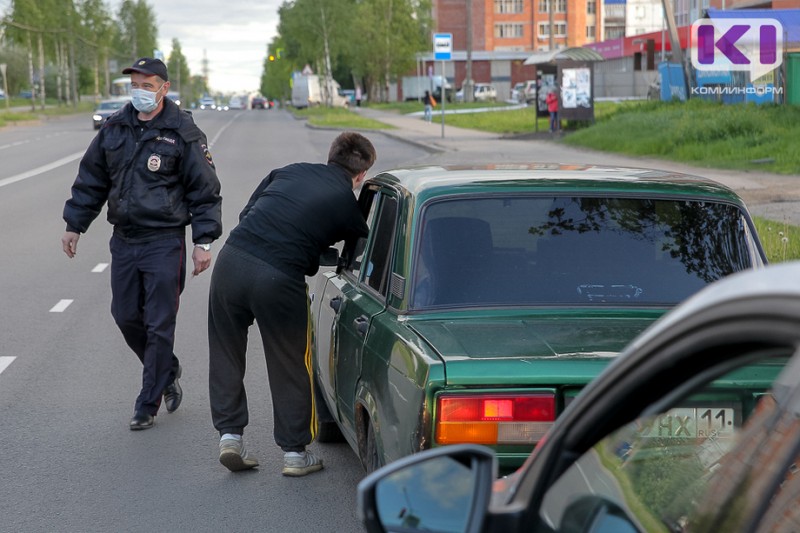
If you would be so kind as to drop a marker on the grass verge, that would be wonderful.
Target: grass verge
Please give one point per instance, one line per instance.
(781, 241)
(337, 118)
(701, 133)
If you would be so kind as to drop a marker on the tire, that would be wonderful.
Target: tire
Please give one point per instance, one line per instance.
(371, 459)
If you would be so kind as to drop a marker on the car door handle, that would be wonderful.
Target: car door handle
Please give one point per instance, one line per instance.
(362, 325)
(336, 303)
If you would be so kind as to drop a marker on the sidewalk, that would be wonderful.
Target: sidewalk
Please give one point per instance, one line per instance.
(773, 196)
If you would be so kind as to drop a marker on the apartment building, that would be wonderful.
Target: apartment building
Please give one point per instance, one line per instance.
(519, 25)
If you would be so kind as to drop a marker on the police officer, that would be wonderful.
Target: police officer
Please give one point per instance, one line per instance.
(294, 214)
(150, 163)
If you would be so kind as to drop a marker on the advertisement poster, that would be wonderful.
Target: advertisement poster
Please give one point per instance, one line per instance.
(576, 88)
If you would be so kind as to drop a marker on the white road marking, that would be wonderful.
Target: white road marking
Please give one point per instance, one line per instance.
(41, 170)
(5, 360)
(60, 306)
(100, 267)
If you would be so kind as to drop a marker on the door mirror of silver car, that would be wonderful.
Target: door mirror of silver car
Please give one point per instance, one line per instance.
(445, 489)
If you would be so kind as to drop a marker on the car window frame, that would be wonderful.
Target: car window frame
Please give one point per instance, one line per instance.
(371, 200)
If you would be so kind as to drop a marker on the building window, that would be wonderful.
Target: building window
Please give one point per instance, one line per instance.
(509, 6)
(590, 32)
(591, 7)
(559, 29)
(558, 6)
(508, 31)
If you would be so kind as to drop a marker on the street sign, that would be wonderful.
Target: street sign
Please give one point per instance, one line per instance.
(442, 46)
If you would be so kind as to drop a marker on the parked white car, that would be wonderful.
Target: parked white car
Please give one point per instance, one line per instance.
(485, 92)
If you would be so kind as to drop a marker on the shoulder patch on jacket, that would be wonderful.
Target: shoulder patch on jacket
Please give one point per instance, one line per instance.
(207, 154)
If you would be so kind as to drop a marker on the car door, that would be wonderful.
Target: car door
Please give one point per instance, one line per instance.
(328, 288)
(363, 296)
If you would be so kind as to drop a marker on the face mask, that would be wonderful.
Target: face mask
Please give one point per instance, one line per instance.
(144, 101)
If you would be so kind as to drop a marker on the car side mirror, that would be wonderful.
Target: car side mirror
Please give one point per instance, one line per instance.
(445, 489)
(595, 514)
(329, 257)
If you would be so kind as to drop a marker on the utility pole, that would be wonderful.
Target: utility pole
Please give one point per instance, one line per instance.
(675, 43)
(468, 91)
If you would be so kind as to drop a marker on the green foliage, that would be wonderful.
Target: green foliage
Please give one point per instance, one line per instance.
(699, 132)
(370, 41)
(781, 241)
(138, 32)
(338, 118)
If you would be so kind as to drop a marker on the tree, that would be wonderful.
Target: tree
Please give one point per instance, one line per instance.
(98, 31)
(178, 68)
(391, 33)
(138, 33)
(374, 40)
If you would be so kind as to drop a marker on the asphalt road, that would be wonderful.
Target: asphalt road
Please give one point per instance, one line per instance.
(69, 463)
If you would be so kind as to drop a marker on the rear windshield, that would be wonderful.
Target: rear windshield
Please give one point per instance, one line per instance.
(569, 250)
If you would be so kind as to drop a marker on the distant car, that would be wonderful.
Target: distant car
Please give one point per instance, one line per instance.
(485, 298)
(694, 427)
(259, 102)
(485, 92)
(236, 102)
(175, 97)
(105, 109)
(208, 102)
(223, 107)
(482, 92)
(528, 93)
(2, 94)
(518, 92)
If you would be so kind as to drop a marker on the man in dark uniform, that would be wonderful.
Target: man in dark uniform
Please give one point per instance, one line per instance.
(151, 163)
(295, 214)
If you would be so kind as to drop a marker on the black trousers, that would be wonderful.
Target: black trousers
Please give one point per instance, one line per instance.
(146, 284)
(245, 289)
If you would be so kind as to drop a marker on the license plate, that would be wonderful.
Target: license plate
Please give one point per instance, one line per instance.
(692, 422)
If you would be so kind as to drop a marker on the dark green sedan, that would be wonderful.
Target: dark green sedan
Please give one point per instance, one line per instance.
(484, 299)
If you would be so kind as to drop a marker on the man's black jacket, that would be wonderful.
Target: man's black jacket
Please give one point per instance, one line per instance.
(156, 181)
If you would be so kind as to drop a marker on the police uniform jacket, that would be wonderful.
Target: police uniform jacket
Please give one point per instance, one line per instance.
(157, 177)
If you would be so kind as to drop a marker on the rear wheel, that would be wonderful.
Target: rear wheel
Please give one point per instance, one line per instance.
(371, 459)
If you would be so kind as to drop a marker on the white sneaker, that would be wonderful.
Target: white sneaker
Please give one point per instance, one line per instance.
(300, 463)
(233, 455)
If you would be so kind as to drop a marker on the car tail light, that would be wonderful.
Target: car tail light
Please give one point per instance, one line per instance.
(494, 418)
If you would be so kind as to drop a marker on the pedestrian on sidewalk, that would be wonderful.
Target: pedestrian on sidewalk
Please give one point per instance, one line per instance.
(358, 95)
(294, 215)
(428, 101)
(150, 163)
(552, 108)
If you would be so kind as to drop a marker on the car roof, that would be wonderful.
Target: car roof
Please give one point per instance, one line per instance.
(433, 181)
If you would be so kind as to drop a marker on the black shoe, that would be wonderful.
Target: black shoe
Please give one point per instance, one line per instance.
(173, 394)
(142, 420)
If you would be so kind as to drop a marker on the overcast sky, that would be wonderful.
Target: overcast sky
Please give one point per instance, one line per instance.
(233, 35)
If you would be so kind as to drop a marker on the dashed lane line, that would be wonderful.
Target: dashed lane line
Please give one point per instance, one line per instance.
(5, 360)
(61, 306)
(100, 267)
